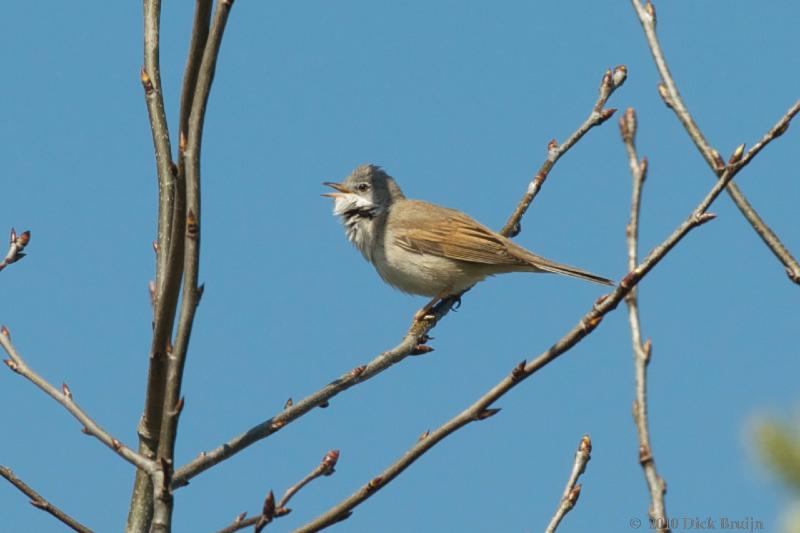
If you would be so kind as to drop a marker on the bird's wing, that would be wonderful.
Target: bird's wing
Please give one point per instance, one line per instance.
(454, 235)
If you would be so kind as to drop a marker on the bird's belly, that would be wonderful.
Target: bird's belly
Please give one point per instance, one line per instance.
(424, 274)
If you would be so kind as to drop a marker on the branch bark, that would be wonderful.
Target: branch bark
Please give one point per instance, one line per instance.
(641, 351)
(572, 491)
(190, 155)
(270, 510)
(672, 98)
(64, 397)
(168, 274)
(38, 501)
(611, 81)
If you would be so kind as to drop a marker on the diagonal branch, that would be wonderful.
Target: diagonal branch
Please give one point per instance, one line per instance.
(572, 491)
(64, 397)
(40, 503)
(672, 98)
(641, 351)
(413, 342)
(611, 81)
(480, 410)
(270, 510)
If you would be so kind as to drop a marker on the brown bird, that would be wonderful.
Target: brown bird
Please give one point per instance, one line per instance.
(422, 248)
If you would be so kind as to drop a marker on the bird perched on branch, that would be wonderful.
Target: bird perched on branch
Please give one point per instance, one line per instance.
(422, 248)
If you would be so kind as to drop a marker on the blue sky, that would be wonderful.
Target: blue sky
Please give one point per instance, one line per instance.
(457, 101)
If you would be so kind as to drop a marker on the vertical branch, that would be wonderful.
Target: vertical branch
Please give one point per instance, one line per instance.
(641, 351)
(200, 27)
(668, 90)
(173, 403)
(572, 491)
(167, 275)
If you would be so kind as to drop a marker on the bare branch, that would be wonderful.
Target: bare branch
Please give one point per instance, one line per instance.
(64, 397)
(672, 98)
(325, 468)
(169, 250)
(40, 503)
(642, 351)
(612, 80)
(17, 244)
(240, 522)
(270, 510)
(319, 398)
(414, 341)
(572, 491)
(191, 291)
(200, 26)
(480, 409)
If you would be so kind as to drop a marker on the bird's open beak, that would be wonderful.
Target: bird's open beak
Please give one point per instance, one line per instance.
(341, 189)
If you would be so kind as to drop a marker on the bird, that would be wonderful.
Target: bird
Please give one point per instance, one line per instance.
(423, 248)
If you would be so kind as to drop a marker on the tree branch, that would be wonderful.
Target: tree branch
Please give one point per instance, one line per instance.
(641, 351)
(672, 98)
(611, 81)
(325, 468)
(168, 269)
(40, 503)
(64, 397)
(480, 410)
(270, 510)
(572, 491)
(413, 342)
(173, 403)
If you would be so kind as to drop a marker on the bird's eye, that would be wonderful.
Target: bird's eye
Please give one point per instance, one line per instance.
(362, 187)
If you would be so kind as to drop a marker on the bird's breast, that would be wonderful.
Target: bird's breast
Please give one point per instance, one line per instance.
(424, 274)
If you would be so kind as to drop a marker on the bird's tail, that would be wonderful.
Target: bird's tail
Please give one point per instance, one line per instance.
(551, 266)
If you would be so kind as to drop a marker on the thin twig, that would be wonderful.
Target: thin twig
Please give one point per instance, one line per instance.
(64, 397)
(270, 510)
(200, 27)
(16, 245)
(240, 522)
(40, 503)
(641, 351)
(413, 342)
(191, 293)
(612, 80)
(480, 410)
(672, 98)
(326, 467)
(572, 491)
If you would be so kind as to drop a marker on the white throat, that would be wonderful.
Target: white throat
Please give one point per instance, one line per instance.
(358, 216)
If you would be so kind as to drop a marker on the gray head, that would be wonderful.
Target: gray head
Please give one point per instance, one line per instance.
(367, 192)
